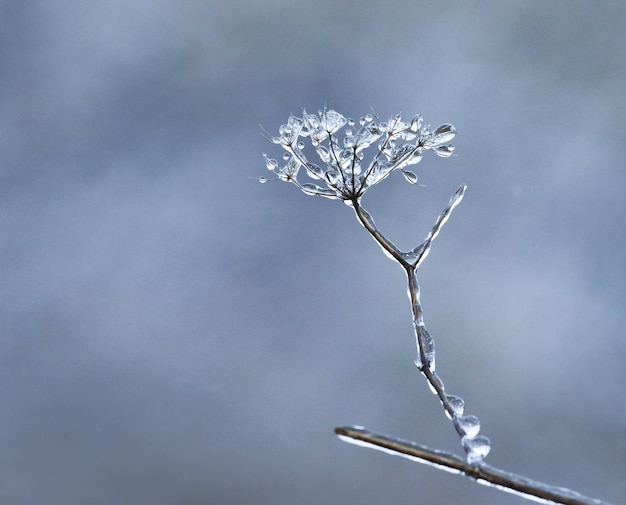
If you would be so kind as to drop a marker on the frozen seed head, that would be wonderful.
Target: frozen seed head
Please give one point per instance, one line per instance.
(344, 174)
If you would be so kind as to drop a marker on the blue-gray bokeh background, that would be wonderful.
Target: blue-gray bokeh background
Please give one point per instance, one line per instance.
(174, 332)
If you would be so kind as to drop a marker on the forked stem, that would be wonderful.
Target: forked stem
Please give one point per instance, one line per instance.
(410, 262)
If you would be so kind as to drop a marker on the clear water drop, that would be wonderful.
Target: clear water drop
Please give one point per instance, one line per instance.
(300, 145)
(369, 117)
(323, 153)
(415, 158)
(332, 176)
(457, 404)
(310, 187)
(270, 163)
(367, 135)
(346, 156)
(444, 151)
(286, 156)
(409, 176)
(476, 448)
(445, 133)
(262, 180)
(331, 120)
(416, 123)
(469, 424)
(314, 171)
(314, 189)
(429, 347)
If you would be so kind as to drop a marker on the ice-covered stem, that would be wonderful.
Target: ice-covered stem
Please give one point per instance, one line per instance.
(482, 474)
(467, 427)
(388, 247)
(414, 258)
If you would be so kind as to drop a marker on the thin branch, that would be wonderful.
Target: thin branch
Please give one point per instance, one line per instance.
(410, 262)
(481, 473)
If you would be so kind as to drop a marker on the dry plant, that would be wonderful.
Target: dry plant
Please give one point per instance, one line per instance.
(345, 175)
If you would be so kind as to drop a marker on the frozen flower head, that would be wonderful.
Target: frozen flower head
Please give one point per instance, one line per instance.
(344, 173)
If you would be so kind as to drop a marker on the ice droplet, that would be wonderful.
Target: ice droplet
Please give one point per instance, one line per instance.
(410, 176)
(476, 448)
(444, 151)
(427, 346)
(314, 189)
(415, 158)
(314, 171)
(310, 188)
(445, 133)
(469, 424)
(457, 404)
(332, 176)
(416, 124)
(270, 163)
(331, 120)
(346, 157)
(323, 153)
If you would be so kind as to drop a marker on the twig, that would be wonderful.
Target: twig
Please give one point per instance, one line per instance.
(480, 472)
(467, 427)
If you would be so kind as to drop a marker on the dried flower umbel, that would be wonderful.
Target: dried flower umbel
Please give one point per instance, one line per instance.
(346, 174)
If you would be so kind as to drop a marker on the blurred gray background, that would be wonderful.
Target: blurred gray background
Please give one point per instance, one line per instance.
(172, 331)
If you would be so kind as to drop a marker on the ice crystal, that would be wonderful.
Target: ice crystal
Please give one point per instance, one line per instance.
(344, 173)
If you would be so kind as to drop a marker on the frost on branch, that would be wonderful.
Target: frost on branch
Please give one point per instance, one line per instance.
(344, 172)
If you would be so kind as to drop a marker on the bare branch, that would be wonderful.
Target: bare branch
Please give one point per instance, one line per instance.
(481, 473)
